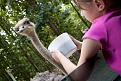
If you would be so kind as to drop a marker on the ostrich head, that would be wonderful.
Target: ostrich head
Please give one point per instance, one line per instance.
(25, 27)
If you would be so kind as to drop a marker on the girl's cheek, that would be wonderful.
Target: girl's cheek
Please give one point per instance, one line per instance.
(81, 12)
(85, 15)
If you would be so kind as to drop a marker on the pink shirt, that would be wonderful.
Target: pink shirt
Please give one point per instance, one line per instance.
(107, 30)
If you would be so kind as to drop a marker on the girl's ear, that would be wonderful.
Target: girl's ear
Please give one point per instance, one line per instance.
(99, 4)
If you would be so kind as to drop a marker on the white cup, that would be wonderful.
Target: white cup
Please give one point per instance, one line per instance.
(64, 44)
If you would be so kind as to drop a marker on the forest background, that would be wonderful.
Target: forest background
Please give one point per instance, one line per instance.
(18, 57)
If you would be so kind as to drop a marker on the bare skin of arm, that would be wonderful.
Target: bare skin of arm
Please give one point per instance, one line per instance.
(88, 50)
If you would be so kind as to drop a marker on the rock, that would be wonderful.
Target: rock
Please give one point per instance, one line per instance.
(48, 76)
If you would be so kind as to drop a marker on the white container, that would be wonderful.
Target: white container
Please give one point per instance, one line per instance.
(64, 44)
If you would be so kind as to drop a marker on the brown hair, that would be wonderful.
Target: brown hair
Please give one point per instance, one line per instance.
(110, 4)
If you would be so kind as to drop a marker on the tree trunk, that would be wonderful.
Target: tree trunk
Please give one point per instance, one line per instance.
(85, 23)
(9, 73)
(32, 3)
(30, 60)
(53, 27)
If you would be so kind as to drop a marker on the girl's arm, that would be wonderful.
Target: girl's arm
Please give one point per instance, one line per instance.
(88, 50)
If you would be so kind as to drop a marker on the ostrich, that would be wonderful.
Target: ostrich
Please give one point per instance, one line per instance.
(26, 28)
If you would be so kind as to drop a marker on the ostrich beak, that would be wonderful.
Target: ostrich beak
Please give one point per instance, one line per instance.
(16, 30)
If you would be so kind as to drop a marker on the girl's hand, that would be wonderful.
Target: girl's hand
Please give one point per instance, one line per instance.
(76, 42)
(55, 55)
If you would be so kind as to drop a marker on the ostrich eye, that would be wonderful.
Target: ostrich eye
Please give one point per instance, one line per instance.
(26, 22)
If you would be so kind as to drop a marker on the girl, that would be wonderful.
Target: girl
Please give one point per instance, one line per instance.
(104, 34)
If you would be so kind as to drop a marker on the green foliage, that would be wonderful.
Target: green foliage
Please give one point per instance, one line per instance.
(52, 17)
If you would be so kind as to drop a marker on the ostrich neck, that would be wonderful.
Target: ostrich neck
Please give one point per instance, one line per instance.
(44, 52)
(38, 45)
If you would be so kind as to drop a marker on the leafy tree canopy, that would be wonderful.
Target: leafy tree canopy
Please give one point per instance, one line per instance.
(52, 17)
